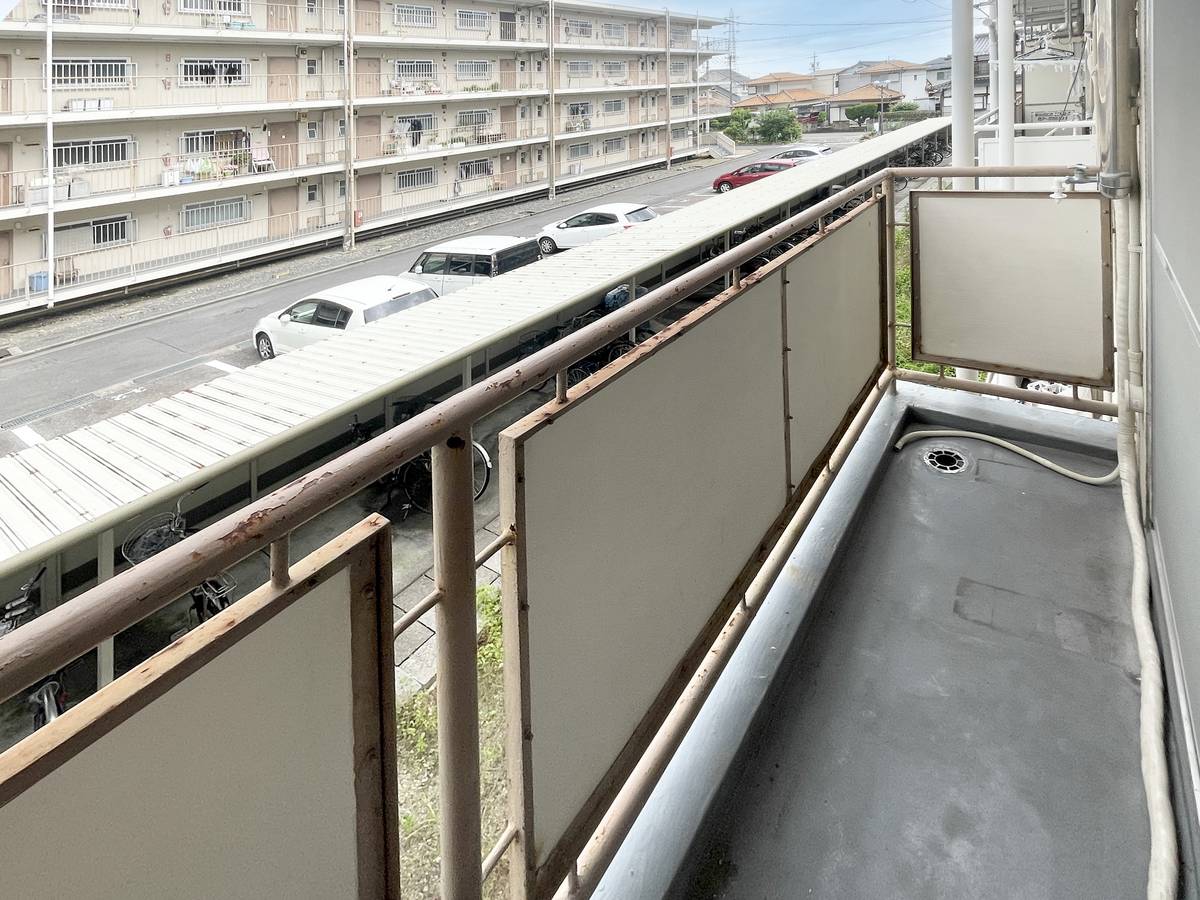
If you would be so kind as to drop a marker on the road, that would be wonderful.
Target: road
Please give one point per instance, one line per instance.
(130, 355)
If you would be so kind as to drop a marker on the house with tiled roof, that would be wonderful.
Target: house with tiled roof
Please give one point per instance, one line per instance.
(908, 78)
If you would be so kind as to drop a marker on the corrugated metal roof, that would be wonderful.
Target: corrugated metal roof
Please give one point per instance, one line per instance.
(72, 487)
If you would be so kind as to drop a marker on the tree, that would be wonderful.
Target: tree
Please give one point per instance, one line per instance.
(778, 126)
(905, 106)
(738, 125)
(860, 112)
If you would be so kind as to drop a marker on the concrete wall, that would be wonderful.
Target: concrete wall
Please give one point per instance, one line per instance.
(1174, 348)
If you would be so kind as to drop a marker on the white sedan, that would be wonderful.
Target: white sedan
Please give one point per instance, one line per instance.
(591, 225)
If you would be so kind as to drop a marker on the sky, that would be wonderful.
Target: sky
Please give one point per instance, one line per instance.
(783, 35)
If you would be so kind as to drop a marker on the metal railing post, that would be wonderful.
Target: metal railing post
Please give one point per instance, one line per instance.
(458, 688)
(889, 237)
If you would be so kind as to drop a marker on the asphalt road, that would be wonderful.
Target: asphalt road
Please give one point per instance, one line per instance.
(129, 355)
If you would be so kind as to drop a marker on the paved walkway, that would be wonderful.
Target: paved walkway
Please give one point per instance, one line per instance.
(416, 648)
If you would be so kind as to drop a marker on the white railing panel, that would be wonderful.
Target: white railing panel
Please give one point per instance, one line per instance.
(1014, 282)
(200, 774)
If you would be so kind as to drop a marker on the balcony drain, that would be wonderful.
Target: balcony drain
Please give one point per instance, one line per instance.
(944, 459)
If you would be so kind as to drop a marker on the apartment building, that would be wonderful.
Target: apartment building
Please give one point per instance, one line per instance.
(188, 133)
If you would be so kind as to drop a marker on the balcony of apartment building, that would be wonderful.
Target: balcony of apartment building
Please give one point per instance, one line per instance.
(577, 31)
(777, 590)
(581, 116)
(303, 21)
(591, 75)
(416, 80)
(95, 88)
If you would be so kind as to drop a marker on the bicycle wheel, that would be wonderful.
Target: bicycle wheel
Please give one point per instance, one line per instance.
(900, 183)
(576, 374)
(417, 478)
(482, 468)
(151, 536)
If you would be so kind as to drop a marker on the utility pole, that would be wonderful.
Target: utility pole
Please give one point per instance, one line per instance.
(813, 65)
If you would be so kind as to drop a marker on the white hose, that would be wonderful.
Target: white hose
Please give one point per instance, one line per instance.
(1008, 445)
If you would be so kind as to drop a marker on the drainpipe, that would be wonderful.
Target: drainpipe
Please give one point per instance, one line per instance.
(348, 112)
(962, 88)
(669, 92)
(1006, 121)
(50, 186)
(551, 113)
(993, 60)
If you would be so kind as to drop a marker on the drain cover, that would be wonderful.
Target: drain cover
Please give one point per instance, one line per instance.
(944, 459)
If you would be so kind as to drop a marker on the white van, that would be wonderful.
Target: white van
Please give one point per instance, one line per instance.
(463, 262)
(343, 307)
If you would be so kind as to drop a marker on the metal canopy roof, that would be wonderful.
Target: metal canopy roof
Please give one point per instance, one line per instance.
(71, 488)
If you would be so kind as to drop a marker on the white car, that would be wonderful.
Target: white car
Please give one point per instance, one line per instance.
(803, 154)
(334, 310)
(591, 225)
(462, 262)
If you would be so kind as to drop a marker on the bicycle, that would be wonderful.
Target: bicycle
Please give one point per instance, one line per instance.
(163, 530)
(415, 478)
(24, 606)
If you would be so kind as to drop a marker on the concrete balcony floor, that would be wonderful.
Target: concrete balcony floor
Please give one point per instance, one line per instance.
(940, 696)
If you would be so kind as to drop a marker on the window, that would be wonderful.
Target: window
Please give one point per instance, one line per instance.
(679, 66)
(111, 231)
(515, 257)
(579, 151)
(414, 68)
(614, 68)
(472, 20)
(432, 263)
(415, 178)
(614, 106)
(303, 312)
(341, 188)
(341, 130)
(314, 131)
(470, 265)
(414, 16)
(613, 32)
(212, 213)
(680, 133)
(229, 7)
(678, 99)
(89, 72)
(614, 145)
(473, 69)
(942, 76)
(192, 143)
(474, 168)
(197, 71)
(96, 152)
(330, 315)
(312, 67)
(474, 117)
(578, 27)
(396, 304)
(310, 7)
(581, 108)
(645, 214)
(314, 193)
(579, 67)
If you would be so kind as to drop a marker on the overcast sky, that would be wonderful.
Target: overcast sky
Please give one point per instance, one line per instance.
(783, 35)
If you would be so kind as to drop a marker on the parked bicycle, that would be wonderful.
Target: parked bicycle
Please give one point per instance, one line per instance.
(25, 606)
(163, 530)
(414, 479)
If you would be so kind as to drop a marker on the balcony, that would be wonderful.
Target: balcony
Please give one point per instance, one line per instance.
(610, 38)
(402, 86)
(817, 607)
(256, 20)
(592, 78)
(23, 100)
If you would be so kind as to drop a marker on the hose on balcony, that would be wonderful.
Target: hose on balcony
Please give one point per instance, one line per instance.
(1008, 445)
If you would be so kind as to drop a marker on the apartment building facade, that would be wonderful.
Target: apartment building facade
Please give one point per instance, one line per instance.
(188, 133)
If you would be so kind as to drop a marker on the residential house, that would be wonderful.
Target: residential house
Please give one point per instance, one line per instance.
(733, 82)
(909, 79)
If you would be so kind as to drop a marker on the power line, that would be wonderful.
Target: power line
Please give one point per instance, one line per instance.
(842, 24)
(898, 37)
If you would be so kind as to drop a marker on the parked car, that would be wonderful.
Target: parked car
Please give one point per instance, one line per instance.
(753, 172)
(803, 154)
(454, 265)
(592, 224)
(334, 310)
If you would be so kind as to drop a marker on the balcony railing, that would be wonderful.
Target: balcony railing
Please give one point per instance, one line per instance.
(101, 97)
(597, 37)
(215, 167)
(739, 401)
(598, 78)
(591, 121)
(369, 85)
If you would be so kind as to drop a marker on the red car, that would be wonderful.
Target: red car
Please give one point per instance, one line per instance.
(752, 172)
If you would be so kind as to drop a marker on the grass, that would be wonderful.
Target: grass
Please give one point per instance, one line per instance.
(416, 744)
(904, 358)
